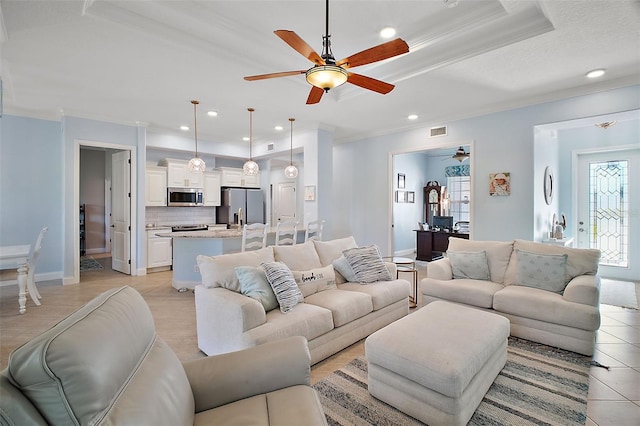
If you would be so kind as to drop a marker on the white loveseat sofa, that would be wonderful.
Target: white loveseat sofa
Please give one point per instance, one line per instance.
(522, 284)
(332, 317)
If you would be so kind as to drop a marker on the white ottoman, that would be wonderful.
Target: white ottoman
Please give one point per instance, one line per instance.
(437, 364)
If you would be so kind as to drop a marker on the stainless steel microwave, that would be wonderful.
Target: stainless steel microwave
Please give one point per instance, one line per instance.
(185, 197)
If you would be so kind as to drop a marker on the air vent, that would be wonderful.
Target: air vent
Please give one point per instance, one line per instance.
(270, 147)
(438, 131)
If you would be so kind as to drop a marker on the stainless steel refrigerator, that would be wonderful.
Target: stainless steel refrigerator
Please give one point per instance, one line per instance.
(240, 206)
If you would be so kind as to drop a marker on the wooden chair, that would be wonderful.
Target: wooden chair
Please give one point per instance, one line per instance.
(314, 230)
(286, 233)
(254, 236)
(33, 261)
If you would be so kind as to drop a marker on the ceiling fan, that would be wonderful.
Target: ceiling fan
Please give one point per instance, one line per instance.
(328, 73)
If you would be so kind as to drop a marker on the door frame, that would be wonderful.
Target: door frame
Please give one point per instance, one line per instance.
(76, 201)
(434, 146)
(575, 161)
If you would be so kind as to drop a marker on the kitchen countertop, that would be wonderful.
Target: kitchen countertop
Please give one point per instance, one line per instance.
(214, 233)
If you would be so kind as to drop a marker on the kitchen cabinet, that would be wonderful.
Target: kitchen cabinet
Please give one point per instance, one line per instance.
(159, 250)
(156, 186)
(179, 176)
(234, 177)
(212, 188)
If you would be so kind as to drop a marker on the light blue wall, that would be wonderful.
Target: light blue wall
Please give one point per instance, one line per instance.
(503, 141)
(407, 215)
(31, 188)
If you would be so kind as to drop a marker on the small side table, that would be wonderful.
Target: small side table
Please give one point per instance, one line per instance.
(406, 265)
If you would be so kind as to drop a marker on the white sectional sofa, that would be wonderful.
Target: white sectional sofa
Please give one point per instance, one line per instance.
(332, 317)
(521, 281)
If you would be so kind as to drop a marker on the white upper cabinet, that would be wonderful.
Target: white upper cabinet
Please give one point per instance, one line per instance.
(212, 188)
(178, 174)
(156, 186)
(235, 177)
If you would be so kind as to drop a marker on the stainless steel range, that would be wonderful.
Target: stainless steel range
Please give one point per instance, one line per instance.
(186, 228)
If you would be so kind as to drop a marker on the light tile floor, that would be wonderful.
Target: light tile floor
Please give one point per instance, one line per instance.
(614, 395)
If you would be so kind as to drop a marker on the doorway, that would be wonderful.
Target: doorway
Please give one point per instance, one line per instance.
(119, 158)
(285, 202)
(605, 202)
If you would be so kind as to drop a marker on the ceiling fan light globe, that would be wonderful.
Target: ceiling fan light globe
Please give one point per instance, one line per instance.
(250, 168)
(196, 164)
(327, 77)
(291, 171)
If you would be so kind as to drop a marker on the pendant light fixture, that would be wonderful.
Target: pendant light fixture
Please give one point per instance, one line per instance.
(291, 171)
(196, 164)
(250, 167)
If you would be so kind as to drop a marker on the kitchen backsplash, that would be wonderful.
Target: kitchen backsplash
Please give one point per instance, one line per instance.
(180, 215)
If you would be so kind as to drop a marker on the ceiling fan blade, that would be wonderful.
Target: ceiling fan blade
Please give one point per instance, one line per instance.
(315, 95)
(274, 75)
(377, 53)
(300, 46)
(370, 83)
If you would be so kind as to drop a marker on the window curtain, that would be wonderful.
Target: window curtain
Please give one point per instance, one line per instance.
(453, 171)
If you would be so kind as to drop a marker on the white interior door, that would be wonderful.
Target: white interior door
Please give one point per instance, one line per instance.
(608, 214)
(286, 204)
(121, 212)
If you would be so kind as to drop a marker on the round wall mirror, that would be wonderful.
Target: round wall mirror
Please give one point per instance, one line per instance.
(548, 185)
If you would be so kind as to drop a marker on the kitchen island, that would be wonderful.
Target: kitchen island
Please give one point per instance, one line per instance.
(188, 245)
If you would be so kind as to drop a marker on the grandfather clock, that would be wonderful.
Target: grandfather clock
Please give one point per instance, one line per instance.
(432, 194)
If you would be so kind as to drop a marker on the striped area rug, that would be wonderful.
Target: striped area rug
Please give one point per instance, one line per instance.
(538, 385)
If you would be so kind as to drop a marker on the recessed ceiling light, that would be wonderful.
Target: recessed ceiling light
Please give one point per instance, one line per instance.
(212, 113)
(412, 117)
(387, 32)
(246, 138)
(278, 128)
(184, 128)
(595, 73)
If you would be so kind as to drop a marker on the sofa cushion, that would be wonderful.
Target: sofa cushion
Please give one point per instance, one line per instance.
(345, 306)
(306, 320)
(97, 365)
(315, 280)
(219, 271)
(543, 271)
(468, 264)
(367, 264)
(328, 251)
(300, 257)
(545, 306)
(383, 293)
(470, 292)
(283, 284)
(498, 254)
(253, 283)
(579, 261)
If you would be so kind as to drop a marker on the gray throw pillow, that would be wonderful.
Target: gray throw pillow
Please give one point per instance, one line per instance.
(543, 271)
(253, 283)
(367, 264)
(468, 264)
(283, 284)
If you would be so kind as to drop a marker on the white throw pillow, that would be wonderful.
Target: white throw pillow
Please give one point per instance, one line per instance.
(284, 286)
(472, 265)
(219, 271)
(367, 264)
(543, 271)
(315, 280)
(328, 251)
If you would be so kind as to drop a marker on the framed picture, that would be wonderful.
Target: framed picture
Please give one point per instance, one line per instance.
(499, 184)
(401, 179)
(310, 193)
(411, 197)
(401, 196)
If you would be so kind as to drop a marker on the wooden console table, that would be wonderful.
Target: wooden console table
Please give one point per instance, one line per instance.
(430, 244)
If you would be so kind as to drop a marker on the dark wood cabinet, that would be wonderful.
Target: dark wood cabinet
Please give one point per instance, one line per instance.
(431, 244)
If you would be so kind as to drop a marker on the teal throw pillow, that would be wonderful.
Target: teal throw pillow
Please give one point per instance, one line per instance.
(283, 284)
(342, 266)
(472, 265)
(543, 271)
(253, 283)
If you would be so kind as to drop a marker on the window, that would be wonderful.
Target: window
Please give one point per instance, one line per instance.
(459, 197)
